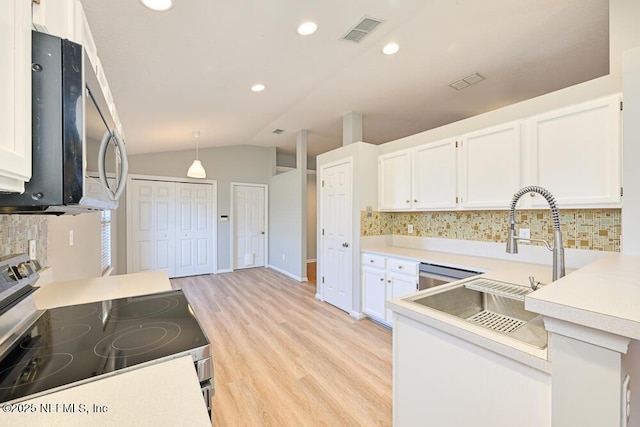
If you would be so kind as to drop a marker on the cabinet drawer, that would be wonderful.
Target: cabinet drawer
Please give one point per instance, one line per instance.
(402, 266)
(371, 260)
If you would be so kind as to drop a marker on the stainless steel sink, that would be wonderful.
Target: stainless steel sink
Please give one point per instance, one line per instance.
(493, 305)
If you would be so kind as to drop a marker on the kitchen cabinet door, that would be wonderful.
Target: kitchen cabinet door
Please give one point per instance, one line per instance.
(490, 167)
(394, 181)
(575, 154)
(374, 292)
(434, 175)
(15, 87)
(399, 285)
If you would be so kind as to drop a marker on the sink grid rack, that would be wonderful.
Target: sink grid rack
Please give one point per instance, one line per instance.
(502, 289)
(496, 322)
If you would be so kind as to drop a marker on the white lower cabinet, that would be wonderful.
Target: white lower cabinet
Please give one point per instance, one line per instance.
(385, 278)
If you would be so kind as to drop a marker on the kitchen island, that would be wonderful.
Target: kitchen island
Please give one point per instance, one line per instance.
(448, 372)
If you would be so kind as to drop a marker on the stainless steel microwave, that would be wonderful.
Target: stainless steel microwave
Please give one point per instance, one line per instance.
(79, 159)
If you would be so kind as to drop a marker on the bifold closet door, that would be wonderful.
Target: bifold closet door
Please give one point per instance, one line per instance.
(153, 226)
(194, 229)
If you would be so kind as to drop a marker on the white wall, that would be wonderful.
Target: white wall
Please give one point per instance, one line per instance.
(285, 219)
(244, 163)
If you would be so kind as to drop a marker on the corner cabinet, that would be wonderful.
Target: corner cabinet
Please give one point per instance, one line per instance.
(575, 154)
(15, 102)
(385, 278)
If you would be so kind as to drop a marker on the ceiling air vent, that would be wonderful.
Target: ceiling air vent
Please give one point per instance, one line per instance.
(467, 81)
(277, 131)
(361, 30)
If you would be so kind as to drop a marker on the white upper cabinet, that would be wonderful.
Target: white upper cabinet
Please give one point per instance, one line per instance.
(434, 177)
(575, 154)
(15, 87)
(394, 181)
(490, 166)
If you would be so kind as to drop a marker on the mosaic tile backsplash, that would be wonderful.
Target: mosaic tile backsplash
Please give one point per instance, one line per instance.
(592, 229)
(17, 230)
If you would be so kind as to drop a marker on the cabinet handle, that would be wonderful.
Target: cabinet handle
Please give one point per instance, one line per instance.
(345, 245)
(381, 279)
(415, 200)
(399, 267)
(388, 281)
(371, 260)
(408, 201)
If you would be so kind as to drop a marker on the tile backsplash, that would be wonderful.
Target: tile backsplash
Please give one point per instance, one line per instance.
(592, 229)
(17, 230)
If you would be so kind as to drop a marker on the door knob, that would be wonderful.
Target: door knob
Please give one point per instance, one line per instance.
(262, 232)
(345, 245)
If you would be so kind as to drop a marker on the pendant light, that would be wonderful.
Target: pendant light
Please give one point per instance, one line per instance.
(196, 170)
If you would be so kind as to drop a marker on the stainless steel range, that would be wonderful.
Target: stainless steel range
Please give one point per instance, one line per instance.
(42, 351)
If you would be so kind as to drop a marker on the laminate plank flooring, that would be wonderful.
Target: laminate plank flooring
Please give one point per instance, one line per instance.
(282, 358)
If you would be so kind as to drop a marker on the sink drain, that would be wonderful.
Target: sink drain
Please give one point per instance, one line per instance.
(496, 322)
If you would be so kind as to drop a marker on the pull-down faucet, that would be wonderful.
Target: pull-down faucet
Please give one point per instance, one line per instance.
(557, 249)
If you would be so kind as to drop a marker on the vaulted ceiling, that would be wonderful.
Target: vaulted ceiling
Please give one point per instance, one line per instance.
(192, 67)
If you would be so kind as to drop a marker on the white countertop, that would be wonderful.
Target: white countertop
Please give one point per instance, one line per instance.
(165, 394)
(59, 294)
(507, 271)
(603, 295)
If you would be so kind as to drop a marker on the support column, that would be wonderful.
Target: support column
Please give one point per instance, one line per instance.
(301, 166)
(351, 128)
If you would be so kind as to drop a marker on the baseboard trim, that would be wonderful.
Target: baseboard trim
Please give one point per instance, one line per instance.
(358, 315)
(319, 297)
(224, 270)
(286, 273)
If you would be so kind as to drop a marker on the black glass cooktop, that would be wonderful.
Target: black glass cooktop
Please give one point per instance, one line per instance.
(83, 342)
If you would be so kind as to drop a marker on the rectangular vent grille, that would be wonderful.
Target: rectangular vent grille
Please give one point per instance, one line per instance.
(361, 30)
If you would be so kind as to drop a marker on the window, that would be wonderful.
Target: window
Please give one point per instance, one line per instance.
(105, 230)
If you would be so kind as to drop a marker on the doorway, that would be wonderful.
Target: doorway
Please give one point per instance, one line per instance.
(336, 223)
(249, 234)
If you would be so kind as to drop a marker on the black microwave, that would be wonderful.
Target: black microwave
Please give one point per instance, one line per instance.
(79, 161)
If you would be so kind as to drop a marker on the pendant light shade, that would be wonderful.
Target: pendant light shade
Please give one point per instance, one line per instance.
(196, 170)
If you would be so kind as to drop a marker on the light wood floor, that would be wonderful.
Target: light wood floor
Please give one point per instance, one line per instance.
(282, 358)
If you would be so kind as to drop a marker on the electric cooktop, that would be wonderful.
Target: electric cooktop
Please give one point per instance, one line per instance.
(71, 345)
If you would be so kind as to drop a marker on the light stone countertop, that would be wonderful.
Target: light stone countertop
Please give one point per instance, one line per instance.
(165, 394)
(507, 271)
(603, 295)
(59, 294)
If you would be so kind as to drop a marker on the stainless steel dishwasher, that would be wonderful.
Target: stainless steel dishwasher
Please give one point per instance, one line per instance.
(434, 275)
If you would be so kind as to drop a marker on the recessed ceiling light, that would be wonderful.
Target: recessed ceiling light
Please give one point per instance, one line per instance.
(390, 49)
(159, 5)
(307, 28)
(257, 87)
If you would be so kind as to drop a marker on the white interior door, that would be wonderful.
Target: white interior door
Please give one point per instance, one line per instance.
(336, 226)
(194, 229)
(249, 224)
(152, 226)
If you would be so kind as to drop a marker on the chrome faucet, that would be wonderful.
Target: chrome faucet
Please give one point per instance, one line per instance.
(557, 249)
